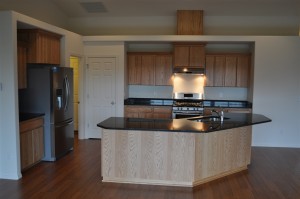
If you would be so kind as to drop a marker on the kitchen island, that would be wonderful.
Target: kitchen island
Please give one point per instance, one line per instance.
(176, 152)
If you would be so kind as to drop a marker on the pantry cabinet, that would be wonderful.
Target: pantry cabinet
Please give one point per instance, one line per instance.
(31, 142)
(227, 70)
(43, 46)
(189, 55)
(149, 68)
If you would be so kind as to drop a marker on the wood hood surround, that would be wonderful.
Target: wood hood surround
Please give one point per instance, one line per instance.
(189, 22)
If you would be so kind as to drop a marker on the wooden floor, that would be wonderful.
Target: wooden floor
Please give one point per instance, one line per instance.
(274, 173)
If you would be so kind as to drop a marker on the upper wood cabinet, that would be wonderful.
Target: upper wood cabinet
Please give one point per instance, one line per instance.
(243, 70)
(163, 70)
(189, 55)
(227, 70)
(149, 68)
(22, 61)
(43, 46)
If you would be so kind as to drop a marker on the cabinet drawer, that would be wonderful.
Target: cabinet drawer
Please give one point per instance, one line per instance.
(31, 124)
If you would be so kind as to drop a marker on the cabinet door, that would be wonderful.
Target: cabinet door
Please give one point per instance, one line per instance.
(197, 56)
(163, 70)
(243, 71)
(44, 47)
(230, 71)
(138, 111)
(22, 60)
(162, 112)
(26, 145)
(209, 70)
(181, 56)
(134, 69)
(219, 71)
(38, 144)
(148, 63)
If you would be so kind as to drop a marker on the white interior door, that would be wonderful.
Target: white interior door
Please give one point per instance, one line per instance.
(101, 93)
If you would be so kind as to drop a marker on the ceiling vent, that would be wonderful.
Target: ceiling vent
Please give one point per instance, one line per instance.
(93, 7)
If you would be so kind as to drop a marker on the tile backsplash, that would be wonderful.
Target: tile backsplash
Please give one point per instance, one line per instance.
(140, 91)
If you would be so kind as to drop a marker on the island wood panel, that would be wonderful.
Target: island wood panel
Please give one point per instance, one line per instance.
(221, 154)
(173, 158)
(147, 156)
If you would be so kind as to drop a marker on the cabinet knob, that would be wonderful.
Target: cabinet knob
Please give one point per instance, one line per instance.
(112, 103)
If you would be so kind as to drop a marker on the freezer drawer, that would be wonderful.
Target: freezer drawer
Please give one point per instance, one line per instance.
(64, 138)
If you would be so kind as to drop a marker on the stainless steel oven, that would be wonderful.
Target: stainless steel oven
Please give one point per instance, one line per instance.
(187, 105)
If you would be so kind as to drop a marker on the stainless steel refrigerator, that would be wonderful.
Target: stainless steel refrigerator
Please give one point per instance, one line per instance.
(50, 91)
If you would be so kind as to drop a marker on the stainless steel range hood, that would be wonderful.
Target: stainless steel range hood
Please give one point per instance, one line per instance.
(189, 70)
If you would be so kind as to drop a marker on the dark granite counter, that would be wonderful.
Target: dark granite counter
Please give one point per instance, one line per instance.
(148, 102)
(234, 120)
(28, 116)
(206, 103)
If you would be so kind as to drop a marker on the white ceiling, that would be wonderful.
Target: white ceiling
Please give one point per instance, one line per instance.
(69, 14)
(72, 8)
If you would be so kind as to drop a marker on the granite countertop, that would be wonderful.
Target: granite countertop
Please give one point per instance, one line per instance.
(28, 116)
(206, 103)
(234, 120)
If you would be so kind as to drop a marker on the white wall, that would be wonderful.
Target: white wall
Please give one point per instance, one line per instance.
(9, 123)
(276, 91)
(9, 114)
(111, 49)
(138, 91)
(214, 24)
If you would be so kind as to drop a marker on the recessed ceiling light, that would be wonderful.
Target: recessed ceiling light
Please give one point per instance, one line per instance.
(93, 7)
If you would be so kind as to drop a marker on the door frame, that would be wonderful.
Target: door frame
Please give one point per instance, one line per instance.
(81, 83)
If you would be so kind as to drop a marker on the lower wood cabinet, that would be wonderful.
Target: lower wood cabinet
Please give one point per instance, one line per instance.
(31, 142)
(207, 111)
(133, 111)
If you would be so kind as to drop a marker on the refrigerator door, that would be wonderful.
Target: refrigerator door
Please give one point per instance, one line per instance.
(64, 138)
(62, 94)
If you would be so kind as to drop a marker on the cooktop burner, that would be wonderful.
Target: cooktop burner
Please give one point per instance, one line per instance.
(185, 103)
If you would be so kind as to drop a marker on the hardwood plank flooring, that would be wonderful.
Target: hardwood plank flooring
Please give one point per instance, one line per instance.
(274, 173)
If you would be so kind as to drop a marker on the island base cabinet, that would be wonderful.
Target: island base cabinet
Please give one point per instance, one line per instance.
(173, 158)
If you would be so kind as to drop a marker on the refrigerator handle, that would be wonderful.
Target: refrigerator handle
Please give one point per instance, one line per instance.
(67, 90)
